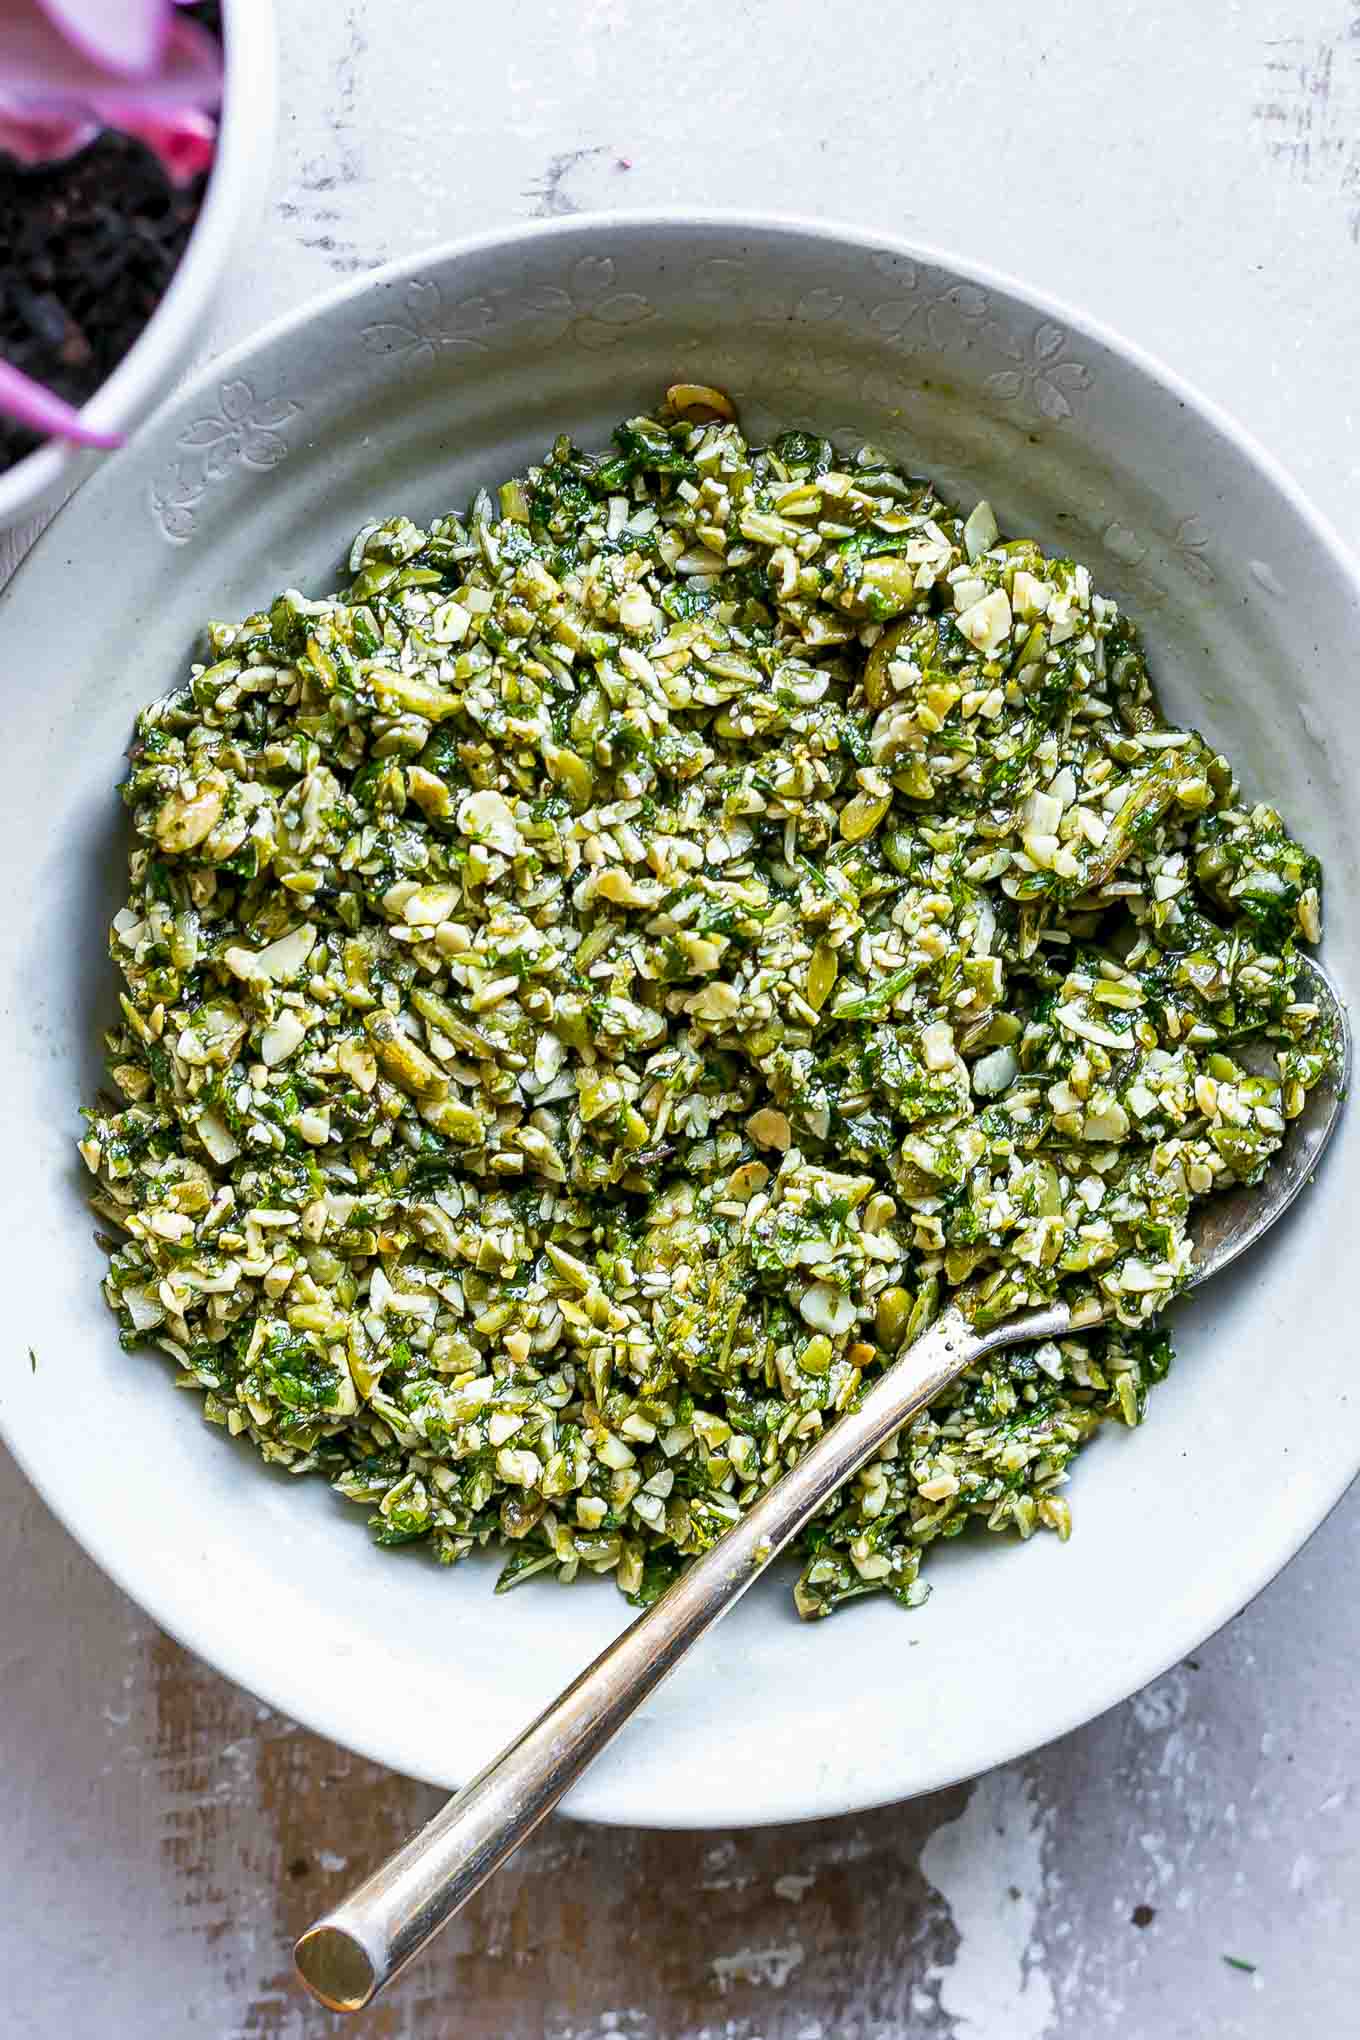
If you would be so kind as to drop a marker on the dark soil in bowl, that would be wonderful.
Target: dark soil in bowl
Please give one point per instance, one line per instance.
(87, 250)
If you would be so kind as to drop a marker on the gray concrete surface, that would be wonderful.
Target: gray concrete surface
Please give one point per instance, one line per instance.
(1193, 176)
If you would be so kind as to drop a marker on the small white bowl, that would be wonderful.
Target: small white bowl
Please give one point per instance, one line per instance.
(235, 188)
(406, 391)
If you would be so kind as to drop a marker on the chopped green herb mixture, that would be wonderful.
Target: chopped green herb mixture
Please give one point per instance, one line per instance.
(593, 988)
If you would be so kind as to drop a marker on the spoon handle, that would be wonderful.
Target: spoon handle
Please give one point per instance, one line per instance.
(347, 1957)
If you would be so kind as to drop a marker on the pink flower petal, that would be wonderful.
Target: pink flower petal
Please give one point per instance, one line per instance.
(43, 411)
(42, 137)
(124, 36)
(183, 141)
(38, 65)
(191, 69)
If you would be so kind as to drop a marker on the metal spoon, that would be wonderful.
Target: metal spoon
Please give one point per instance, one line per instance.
(347, 1957)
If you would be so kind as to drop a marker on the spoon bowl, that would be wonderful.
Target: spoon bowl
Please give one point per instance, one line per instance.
(1226, 1225)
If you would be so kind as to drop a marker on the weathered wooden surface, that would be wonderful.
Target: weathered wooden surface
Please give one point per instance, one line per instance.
(165, 1837)
(1195, 176)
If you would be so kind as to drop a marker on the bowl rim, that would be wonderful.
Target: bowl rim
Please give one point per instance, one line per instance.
(287, 1690)
(128, 393)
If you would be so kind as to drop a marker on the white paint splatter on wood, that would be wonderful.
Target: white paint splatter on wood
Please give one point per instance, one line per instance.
(988, 1868)
(773, 1966)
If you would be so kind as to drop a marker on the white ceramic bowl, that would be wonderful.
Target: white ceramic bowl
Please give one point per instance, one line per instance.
(244, 149)
(404, 392)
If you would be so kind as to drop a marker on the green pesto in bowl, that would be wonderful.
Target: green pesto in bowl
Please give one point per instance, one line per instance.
(595, 987)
